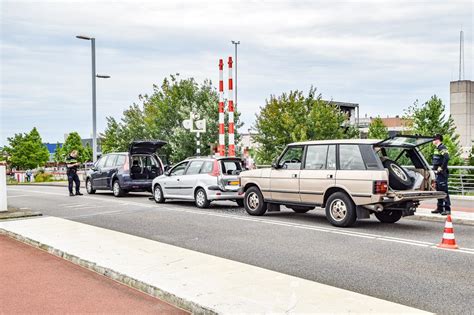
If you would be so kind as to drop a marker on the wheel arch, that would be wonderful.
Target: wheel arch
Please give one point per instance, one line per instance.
(333, 190)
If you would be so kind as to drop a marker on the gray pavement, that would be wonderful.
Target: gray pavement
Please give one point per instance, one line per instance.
(394, 262)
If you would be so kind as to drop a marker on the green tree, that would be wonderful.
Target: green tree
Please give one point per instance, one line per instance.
(470, 160)
(160, 116)
(87, 153)
(27, 150)
(294, 117)
(58, 154)
(377, 129)
(429, 119)
(73, 142)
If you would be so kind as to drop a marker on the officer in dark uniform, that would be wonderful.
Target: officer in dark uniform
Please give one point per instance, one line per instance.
(72, 165)
(440, 166)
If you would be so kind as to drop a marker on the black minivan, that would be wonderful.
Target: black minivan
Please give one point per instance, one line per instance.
(123, 172)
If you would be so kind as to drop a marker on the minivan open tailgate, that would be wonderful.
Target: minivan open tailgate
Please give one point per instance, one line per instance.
(415, 195)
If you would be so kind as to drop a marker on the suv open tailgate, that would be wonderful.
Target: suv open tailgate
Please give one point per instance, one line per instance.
(415, 195)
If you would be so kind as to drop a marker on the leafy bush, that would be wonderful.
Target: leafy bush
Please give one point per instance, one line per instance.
(42, 176)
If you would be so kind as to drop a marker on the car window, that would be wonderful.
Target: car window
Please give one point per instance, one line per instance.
(207, 167)
(102, 161)
(110, 161)
(120, 160)
(350, 157)
(316, 157)
(179, 169)
(291, 159)
(231, 167)
(331, 160)
(194, 167)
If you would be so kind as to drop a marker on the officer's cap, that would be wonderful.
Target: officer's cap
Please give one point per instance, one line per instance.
(438, 137)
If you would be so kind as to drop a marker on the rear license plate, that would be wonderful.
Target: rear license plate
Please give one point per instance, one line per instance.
(234, 183)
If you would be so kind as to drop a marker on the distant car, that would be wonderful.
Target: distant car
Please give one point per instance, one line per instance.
(202, 179)
(352, 179)
(124, 172)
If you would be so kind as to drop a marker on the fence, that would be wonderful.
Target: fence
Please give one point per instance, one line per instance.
(461, 179)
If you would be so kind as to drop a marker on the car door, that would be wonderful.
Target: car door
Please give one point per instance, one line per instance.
(318, 173)
(190, 178)
(172, 183)
(284, 177)
(108, 170)
(97, 176)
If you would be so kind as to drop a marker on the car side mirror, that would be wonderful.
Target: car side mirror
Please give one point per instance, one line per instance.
(167, 167)
(167, 173)
(275, 165)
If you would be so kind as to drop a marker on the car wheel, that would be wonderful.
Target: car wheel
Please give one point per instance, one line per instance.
(200, 198)
(388, 216)
(90, 190)
(118, 191)
(340, 210)
(158, 194)
(398, 178)
(240, 202)
(253, 202)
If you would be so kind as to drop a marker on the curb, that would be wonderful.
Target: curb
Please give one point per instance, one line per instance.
(418, 217)
(19, 214)
(46, 184)
(116, 276)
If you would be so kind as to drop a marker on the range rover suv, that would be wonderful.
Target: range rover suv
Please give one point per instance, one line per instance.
(123, 172)
(351, 179)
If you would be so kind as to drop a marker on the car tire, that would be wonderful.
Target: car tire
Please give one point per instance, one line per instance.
(341, 210)
(388, 216)
(158, 194)
(90, 190)
(200, 198)
(253, 202)
(240, 202)
(398, 177)
(117, 189)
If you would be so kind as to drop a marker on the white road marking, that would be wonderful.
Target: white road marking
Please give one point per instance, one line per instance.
(8, 197)
(170, 207)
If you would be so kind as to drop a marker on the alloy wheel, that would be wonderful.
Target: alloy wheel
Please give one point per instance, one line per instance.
(338, 209)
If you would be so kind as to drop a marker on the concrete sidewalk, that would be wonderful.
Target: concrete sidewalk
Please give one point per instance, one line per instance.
(197, 282)
(34, 281)
(458, 216)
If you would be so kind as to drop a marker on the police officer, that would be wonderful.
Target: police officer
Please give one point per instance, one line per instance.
(72, 165)
(440, 166)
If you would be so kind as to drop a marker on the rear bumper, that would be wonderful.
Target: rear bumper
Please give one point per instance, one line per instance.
(397, 196)
(136, 185)
(222, 195)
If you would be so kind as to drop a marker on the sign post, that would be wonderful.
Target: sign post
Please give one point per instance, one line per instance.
(3, 188)
(200, 128)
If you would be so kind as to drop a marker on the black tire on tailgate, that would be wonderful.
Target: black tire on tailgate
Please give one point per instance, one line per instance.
(398, 178)
(388, 216)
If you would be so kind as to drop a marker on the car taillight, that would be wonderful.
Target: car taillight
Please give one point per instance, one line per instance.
(380, 187)
(215, 169)
(126, 165)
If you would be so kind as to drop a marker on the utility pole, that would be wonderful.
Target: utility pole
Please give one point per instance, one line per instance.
(235, 57)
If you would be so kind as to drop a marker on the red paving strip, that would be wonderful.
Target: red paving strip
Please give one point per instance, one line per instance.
(453, 208)
(34, 281)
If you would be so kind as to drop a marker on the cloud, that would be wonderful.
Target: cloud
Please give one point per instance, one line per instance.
(380, 55)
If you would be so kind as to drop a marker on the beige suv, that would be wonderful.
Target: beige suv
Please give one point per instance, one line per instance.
(350, 178)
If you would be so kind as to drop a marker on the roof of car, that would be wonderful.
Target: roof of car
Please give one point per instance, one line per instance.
(338, 141)
(209, 157)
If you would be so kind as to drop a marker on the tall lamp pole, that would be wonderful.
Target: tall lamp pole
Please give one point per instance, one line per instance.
(94, 75)
(235, 57)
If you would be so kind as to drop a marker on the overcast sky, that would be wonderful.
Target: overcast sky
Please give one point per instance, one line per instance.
(381, 54)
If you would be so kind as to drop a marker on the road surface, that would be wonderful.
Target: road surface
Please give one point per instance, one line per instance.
(397, 262)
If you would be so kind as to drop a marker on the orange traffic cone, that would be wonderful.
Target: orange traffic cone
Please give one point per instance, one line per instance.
(448, 240)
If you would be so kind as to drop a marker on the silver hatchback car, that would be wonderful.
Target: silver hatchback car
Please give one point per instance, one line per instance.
(202, 179)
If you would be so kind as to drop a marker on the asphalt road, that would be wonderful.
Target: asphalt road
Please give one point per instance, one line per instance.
(397, 262)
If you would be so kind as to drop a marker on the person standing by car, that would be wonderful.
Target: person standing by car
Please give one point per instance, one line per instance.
(440, 166)
(72, 164)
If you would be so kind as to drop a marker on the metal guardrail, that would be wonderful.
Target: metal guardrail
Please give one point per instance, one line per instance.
(461, 179)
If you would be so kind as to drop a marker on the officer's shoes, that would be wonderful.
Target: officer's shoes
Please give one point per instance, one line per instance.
(79, 194)
(71, 195)
(445, 212)
(437, 211)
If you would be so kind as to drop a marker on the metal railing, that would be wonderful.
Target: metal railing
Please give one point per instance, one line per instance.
(461, 179)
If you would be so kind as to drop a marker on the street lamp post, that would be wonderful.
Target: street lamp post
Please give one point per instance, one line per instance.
(94, 75)
(235, 57)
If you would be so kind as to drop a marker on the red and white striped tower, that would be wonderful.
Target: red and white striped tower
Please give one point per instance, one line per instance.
(221, 148)
(230, 109)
